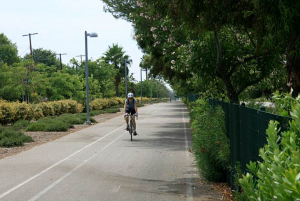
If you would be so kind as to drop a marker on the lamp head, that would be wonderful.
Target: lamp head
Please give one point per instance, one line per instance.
(93, 34)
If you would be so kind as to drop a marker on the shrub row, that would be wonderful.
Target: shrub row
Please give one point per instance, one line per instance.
(102, 103)
(11, 112)
(210, 143)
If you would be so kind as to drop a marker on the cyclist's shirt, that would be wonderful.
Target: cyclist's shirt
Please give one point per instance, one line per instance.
(130, 105)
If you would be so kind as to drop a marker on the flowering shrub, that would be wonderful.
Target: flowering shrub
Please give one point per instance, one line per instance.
(210, 143)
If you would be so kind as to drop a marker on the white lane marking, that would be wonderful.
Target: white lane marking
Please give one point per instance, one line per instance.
(149, 111)
(37, 196)
(189, 189)
(52, 166)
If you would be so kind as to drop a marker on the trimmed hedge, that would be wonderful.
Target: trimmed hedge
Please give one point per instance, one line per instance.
(103, 103)
(11, 112)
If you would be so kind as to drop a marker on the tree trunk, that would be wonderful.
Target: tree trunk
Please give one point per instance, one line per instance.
(293, 66)
(117, 89)
(117, 83)
(231, 92)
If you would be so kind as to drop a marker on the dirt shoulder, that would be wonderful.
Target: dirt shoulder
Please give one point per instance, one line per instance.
(40, 137)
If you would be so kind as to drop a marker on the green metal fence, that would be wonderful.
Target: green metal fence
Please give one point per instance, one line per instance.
(246, 129)
(192, 97)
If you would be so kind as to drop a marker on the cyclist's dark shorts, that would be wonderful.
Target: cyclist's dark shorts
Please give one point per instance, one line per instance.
(130, 111)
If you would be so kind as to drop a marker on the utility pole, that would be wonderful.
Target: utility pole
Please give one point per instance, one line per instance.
(31, 55)
(80, 57)
(60, 59)
(31, 51)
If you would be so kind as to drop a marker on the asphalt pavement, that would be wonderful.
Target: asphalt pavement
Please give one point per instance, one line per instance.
(101, 163)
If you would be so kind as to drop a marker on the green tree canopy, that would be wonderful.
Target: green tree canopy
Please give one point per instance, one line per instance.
(46, 57)
(116, 57)
(8, 51)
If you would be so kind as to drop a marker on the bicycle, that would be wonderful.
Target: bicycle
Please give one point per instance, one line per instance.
(130, 130)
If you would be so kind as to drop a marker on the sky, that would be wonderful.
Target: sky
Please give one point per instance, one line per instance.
(61, 24)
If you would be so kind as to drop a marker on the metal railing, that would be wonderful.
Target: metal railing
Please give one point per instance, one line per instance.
(246, 129)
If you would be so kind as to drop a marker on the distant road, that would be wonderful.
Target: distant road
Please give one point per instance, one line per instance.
(101, 163)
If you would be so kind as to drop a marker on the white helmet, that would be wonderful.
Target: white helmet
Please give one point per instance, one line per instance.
(130, 95)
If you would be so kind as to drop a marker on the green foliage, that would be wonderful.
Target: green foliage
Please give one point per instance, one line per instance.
(48, 124)
(46, 57)
(12, 138)
(210, 143)
(8, 51)
(12, 112)
(277, 175)
(284, 102)
(116, 57)
(11, 82)
(169, 35)
(20, 124)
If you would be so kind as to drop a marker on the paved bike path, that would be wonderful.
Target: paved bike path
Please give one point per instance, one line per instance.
(101, 163)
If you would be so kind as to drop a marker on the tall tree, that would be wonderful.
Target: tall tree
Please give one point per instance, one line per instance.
(8, 51)
(235, 49)
(43, 56)
(116, 57)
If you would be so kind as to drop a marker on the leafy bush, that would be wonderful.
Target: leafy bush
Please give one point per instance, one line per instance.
(284, 103)
(19, 125)
(82, 116)
(70, 119)
(100, 103)
(210, 143)
(48, 125)
(277, 176)
(7, 112)
(12, 112)
(11, 138)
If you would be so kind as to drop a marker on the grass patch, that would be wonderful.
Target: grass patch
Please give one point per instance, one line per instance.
(12, 138)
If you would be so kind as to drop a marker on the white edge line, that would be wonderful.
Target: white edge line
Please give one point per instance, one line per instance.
(189, 189)
(37, 196)
(52, 166)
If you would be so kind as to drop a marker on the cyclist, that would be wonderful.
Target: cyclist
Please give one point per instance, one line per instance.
(130, 107)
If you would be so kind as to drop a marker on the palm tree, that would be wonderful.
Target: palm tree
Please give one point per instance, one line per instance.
(116, 57)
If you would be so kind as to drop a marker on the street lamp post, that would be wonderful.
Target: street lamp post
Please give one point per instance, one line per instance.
(87, 76)
(126, 76)
(151, 90)
(142, 86)
(157, 88)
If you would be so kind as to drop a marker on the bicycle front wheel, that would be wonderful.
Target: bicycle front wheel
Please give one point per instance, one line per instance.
(131, 130)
